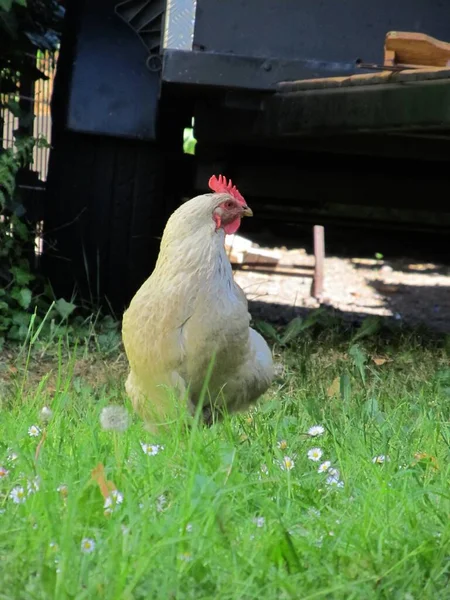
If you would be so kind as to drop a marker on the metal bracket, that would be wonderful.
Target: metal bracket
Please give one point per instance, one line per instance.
(145, 17)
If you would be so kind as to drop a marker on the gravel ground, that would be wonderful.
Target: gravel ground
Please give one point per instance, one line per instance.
(403, 290)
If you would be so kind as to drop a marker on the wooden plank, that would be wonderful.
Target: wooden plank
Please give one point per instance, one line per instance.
(415, 49)
(319, 255)
(390, 107)
(366, 79)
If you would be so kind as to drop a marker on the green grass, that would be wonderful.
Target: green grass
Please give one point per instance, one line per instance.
(201, 519)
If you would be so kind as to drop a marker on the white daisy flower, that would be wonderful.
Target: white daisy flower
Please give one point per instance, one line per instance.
(46, 414)
(18, 495)
(287, 464)
(259, 521)
(161, 503)
(12, 456)
(87, 545)
(186, 557)
(115, 418)
(315, 454)
(3, 473)
(282, 444)
(151, 449)
(316, 430)
(324, 467)
(33, 485)
(113, 500)
(380, 459)
(334, 473)
(334, 482)
(264, 470)
(34, 431)
(63, 490)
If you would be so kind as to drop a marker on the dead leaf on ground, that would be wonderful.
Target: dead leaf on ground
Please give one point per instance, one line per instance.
(39, 446)
(381, 360)
(387, 288)
(334, 388)
(98, 475)
(423, 459)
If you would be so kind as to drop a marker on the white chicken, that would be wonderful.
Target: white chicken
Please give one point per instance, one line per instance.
(189, 321)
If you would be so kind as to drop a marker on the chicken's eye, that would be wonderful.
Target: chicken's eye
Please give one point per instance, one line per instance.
(229, 204)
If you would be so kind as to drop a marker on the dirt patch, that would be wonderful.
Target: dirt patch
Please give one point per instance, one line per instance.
(402, 289)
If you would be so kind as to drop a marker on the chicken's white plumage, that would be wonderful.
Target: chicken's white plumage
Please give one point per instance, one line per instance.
(191, 312)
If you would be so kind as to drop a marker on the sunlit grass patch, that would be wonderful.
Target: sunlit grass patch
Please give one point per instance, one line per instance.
(336, 486)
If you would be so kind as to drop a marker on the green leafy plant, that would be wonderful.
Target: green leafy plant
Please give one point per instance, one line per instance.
(25, 29)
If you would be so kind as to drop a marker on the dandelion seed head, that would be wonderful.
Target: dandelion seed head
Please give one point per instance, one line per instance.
(278, 369)
(316, 430)
(34, 431)
(46, 414)
(315, 454)
(114, 418)
(87, 545)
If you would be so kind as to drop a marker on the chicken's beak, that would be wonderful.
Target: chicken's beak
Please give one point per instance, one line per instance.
(247, 211)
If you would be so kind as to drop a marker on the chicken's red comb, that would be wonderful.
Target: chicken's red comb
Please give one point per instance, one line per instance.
(221, 185)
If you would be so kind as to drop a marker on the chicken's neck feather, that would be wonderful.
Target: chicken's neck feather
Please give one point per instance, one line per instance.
(200, 255)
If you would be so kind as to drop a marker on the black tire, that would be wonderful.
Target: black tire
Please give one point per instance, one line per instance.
(106, 205)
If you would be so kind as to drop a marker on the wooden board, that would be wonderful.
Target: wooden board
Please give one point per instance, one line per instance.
(415, 50)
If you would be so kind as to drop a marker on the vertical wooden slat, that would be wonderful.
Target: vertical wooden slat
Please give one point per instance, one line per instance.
(319, 255)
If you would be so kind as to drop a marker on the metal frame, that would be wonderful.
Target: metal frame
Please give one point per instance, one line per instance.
(231, 71)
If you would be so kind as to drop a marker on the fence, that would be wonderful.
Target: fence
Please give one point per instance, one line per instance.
(34, 100)
(35, 120)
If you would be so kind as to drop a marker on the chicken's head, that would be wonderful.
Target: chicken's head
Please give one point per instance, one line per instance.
(229, 205)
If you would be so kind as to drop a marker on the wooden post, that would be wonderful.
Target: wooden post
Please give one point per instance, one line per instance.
(319, 255)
